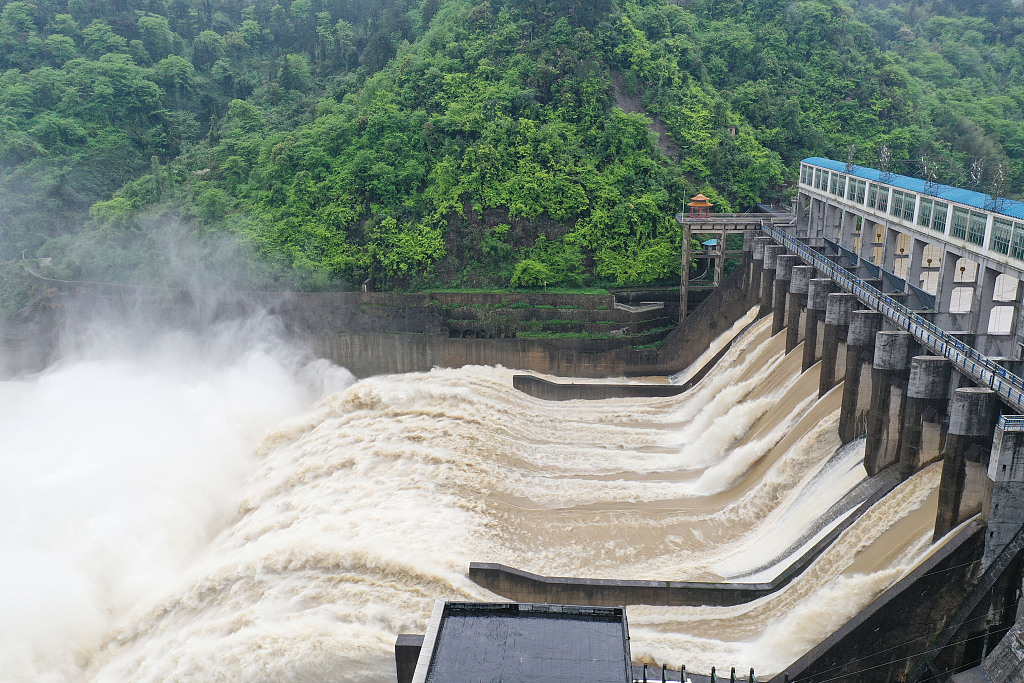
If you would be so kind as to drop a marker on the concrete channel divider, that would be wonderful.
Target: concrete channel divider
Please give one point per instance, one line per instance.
(524, 586)
(568, 391)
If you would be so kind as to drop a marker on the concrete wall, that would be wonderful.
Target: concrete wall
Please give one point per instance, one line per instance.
(557, 391)
(366, 354)
(683, 345)
(407, 651)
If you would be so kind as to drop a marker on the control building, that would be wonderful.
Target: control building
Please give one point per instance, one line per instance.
(956, 252)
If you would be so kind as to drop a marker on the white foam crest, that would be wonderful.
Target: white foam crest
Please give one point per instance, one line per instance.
(716, 347)
(722, 474)
(771, 632)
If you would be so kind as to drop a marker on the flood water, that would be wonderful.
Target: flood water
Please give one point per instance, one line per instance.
(228, 509)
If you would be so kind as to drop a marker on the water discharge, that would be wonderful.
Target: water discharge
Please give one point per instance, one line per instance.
(190, 555)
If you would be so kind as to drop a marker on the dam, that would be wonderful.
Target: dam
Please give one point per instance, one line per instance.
(331, 529)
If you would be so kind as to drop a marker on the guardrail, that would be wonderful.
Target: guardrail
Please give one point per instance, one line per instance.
(727, 218)
(1007, 385)
(1011, 423)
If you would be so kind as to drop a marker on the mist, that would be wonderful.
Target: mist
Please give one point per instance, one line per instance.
(128, 454)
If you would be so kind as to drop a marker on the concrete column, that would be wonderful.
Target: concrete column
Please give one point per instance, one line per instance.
(847, 230)
(1004, 510)
(889, 370)
(757, 268)
(800, 278)
(927, 392)
(818, 290)
(771, 253)
(890, 238)
(867, 239)
(802, 202)
(916, 266)
(971, 419)
(984, 292)
(947, 275)
(783, 269)
(860, 348)
(837, 319)
(831, 218)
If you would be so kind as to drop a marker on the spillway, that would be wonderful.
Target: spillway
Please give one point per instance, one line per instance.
(353, 515)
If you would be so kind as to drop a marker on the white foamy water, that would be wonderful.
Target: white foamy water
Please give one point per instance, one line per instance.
(304, 559)
(119, 466)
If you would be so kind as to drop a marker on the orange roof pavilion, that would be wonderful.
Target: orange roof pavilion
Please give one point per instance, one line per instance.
(700, 207)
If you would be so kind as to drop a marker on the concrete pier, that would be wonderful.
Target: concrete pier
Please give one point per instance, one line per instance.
(889, 371)
(800, 278)
(771, 254)
(1004, 510)
(783, 274)
(757, 267)
(860, 351)
(968, 444)
(837, 320)
(927, 398)
(818, 290)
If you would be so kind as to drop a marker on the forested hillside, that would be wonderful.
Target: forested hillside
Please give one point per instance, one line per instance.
(458, 143)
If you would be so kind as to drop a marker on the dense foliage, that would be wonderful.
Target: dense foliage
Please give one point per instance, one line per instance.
(470, 143)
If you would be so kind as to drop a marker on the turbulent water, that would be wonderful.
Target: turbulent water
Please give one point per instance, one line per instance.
(160, 533)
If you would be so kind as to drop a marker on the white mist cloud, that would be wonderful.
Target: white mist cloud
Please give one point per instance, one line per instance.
(118, 465)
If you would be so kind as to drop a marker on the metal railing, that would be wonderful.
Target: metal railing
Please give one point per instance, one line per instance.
(968, 361)
(1011, 423)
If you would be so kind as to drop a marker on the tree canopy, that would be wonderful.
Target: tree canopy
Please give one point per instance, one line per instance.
(471, 143)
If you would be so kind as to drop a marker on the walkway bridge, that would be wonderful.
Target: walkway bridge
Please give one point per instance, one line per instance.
(968, 361)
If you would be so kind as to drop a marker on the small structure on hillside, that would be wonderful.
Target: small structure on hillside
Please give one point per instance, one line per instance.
(700, 207)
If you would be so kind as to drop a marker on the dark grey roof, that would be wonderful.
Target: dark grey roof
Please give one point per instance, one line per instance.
(1007, 207)
(525, 643)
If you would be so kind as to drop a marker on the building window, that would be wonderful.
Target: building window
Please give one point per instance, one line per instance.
(882, 203)
(902, 205)
(939, 216)
(1017, 242)
(817, 179)
(1001, 232)
(804, 173)
(838, 186)
(873, 195)
(924, 215)
(896, 207)
(856, 192)
(908, 206)
(976, 228)
(961, 217)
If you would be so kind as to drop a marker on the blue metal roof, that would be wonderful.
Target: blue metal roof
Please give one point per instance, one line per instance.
(978, 200)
